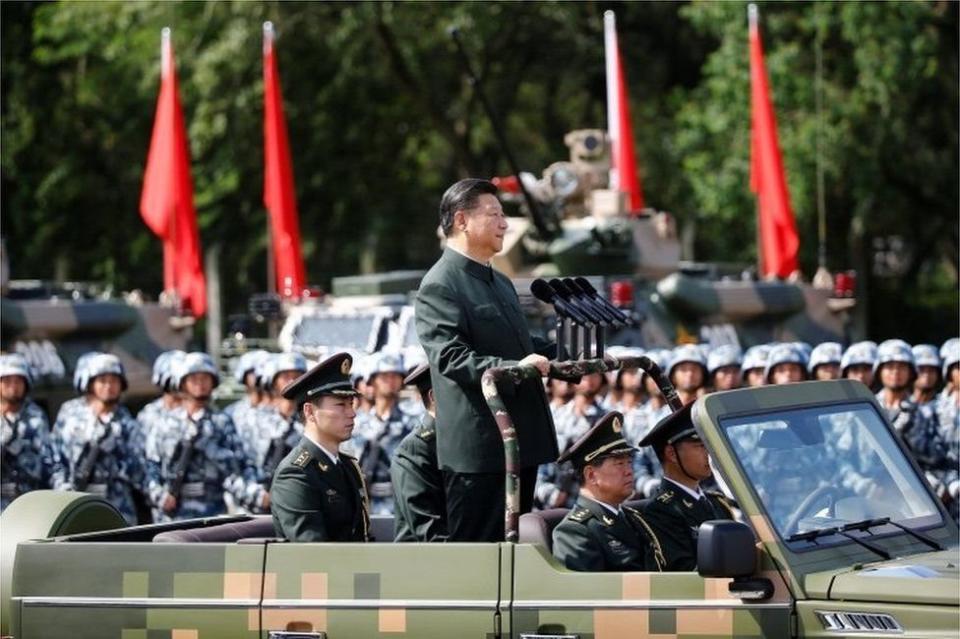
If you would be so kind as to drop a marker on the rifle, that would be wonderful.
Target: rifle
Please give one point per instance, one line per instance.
(88, 460)
(183, 454)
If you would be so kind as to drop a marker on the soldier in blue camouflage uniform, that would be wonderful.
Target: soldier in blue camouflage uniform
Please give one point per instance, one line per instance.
(381, 429)
(785, 365)
(895, 369)
(824, 362)
(557, 486)
(157, 410)
(925, 387)
(857, 363)
(280, 425)
(754, 365)
(948, 426)
(196, 456)
(28, 456)
(723, 367)
(646, 466)
(99, 441)
(245, 373)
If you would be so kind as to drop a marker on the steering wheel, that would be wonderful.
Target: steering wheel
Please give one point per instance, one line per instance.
(806, 506)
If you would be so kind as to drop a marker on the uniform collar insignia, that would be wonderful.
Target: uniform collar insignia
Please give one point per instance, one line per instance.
(323, 467)
(688, 503)
(608, 520)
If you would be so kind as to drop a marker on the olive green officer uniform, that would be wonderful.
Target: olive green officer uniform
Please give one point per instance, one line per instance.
(592, 537)
(314, 497)
(673, 513)
(419, 507)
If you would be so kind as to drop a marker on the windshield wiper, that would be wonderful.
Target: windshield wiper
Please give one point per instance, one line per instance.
(844, 531)
(917, 535)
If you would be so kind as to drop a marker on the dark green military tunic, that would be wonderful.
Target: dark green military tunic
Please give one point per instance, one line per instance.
(419, 504)
(591, 538)
(469, 320)
(313, 499)
(675, 517)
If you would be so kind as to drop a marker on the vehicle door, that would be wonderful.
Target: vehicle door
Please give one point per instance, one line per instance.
(351, 590)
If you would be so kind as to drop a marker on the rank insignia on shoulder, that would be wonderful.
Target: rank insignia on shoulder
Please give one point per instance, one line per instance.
(665, 498)
(302, 459)
(426, 435)
(580, 515)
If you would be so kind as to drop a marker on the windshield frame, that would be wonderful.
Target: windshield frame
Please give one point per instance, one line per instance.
(759, 410)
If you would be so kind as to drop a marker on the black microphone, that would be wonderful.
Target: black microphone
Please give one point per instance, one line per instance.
(542, 291)
(585, 299)
(571, 298)
(588, 288)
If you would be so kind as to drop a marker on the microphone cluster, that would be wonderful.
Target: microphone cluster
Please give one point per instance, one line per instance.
(582, 314)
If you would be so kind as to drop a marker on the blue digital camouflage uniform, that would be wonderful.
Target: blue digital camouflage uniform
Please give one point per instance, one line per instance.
(151, 415)
(100, 455)
(280, 436)
(917, 426)
(646, 467)
(558, 485)
(218, 464)
(376, 440)
(29, 457)
(948, 428)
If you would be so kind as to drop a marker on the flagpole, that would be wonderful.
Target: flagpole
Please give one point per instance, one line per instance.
(752, 19)
(271, 267)
(169, 253)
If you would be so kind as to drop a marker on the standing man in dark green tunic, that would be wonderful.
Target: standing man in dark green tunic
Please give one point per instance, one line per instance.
(420, 509)
(469, 320)
(317, 492)
(679, 506)
(600, 533)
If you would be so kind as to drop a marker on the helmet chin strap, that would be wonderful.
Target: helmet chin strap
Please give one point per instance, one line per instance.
(680, 464)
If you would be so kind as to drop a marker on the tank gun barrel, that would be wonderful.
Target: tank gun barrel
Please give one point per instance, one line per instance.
(536, 215)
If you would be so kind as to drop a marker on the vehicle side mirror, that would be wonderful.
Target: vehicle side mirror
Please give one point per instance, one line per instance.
(726, 549)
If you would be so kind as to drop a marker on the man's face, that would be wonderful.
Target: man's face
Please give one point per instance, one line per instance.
(954, 373)
(687, 376)
(198, 386)
(787, 373)
(561, 390)
(106, 388)
(283, 378)
(861, 372)
(927, 378)
(755, 378)
(484, 225)
(826, 372)
(650, 386)
(693, 455)
(250, 380)
(612, 481)
(726, 378)
(387, 385)
(630, 380)
(895, 375)
(13, 388)
(332, 415)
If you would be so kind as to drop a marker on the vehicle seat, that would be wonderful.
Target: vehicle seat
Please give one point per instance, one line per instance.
(258, 526)
(537, 527)
(381, 528)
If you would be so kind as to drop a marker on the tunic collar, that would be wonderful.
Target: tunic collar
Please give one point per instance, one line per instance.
(333, 458)
(471, 266)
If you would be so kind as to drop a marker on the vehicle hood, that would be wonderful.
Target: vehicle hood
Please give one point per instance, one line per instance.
(930, 578)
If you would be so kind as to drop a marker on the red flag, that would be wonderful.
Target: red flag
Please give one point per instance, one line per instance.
(623, 161)
(166, 202)
(779, 241)
(279, 195)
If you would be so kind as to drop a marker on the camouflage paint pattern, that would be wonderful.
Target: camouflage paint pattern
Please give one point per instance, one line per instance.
(53, 333)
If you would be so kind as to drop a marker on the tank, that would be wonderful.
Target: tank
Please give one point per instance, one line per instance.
(52, 325)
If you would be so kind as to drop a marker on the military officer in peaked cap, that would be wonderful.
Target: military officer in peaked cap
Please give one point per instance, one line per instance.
(420, 506)
(317, 492)
(600, 533)
(679, 506)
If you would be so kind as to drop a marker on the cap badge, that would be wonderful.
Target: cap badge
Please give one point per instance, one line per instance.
(345, 367)
(617, 426)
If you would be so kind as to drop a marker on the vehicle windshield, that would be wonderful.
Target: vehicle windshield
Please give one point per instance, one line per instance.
(342, 332)
(826, 466)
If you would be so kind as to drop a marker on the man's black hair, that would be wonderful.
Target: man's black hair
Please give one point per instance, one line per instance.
(462, 196)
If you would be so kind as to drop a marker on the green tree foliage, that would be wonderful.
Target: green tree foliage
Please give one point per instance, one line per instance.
(381, 119)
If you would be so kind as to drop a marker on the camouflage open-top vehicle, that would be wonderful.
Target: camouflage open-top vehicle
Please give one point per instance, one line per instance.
(841, 537)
